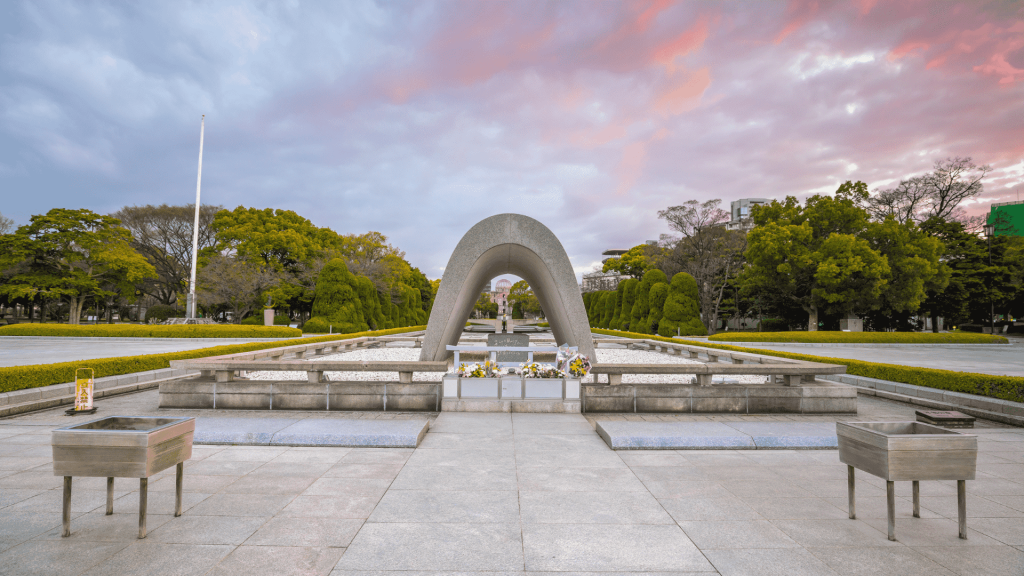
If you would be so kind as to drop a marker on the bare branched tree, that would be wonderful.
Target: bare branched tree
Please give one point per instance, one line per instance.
(163, 234)
(934, 195)
(6, 225)
(235, 283)
(706, 250)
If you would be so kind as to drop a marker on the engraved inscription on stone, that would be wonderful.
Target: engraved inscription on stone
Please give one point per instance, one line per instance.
(510, 340)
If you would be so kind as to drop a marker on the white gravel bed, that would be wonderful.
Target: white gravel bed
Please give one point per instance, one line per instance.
(606, 355)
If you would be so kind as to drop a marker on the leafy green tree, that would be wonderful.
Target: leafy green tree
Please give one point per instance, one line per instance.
(915, 270)
(615, 320)
(522, 300)
(485, 306)
(657, 298)
(628, 299)
(633, 263)
(641, 307)
(337, 299)
(681, 315)
(813, 255)
(72, 255)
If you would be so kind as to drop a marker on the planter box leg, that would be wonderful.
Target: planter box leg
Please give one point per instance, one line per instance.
(961, 505)
(890, 504)
(917, 498)
(177, 488)
(110, 495)
(853, 500)
(67, 508)
(143, 486)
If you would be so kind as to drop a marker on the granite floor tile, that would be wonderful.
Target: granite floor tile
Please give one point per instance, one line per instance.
(187, 529)
(373, 487)
(480, 547)
(687, 489)
(264, 505)
(158, 559)
(668, 473)
(579, 479)
(278, 561)
(1006, 530)
(189, 483)
(584, 508)
(311, 454)
(767, 562)
(493, 441)
(652, 458)
(427, 506)
(935, 531)
(467, 458)
(306, 532)
(377, 456)
(699, 509)
(275, 469)
(711, 534)
(842, 532)
(988, 560)
(454, 478)
(796, 508)
(281, 485)
(876, 507)
(532, 442)
(17, 527)
(569, 459)
(98, 527)
(53, 501)
(610, 548)
(977, 507)
(248, 454)
(875, 561)
(225, 468)
(329, 507)
(385, 471)
(156, 502)
(50, 557)
(12, 496)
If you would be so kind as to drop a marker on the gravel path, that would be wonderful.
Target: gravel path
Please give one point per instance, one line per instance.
(608, 356)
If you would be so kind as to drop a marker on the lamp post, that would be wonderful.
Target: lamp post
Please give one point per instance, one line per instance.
(989, 231)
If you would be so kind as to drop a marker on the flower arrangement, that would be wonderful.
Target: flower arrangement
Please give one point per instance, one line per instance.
(570, 360)
(579, 366)
(535, 370)
(486, 370)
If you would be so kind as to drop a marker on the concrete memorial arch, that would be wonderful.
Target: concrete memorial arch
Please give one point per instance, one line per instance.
(507, 244)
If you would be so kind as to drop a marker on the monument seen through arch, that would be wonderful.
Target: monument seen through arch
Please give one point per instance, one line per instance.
(507, 244)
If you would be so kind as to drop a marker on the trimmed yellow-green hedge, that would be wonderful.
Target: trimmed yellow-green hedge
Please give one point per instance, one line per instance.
(33, 376)
(821, 337)
(151, 330)
(993, 386)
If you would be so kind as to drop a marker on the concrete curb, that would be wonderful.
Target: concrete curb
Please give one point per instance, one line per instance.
(32, 399)
(994, 409)
(856, 344)
(142, 339)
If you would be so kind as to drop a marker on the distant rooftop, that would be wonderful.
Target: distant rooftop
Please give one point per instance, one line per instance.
(615, 252)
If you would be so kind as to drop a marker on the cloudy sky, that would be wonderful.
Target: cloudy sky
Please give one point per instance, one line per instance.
(418, 119)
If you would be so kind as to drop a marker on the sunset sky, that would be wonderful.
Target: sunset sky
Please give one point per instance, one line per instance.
(418, 119)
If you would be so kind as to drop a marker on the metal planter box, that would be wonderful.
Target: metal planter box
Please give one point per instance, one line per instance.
(907, 450)
(124, 447)
(914, 451)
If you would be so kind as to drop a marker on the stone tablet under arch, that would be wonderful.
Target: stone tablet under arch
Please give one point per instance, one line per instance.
(507, 244)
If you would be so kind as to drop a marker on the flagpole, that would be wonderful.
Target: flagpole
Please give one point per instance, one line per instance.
(191, 304)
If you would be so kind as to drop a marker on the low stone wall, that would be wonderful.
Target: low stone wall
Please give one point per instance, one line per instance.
(298, 395)
(815, 397)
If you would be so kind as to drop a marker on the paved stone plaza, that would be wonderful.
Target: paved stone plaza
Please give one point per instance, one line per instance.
(19, 351)
(501, 493)
(1004, 360)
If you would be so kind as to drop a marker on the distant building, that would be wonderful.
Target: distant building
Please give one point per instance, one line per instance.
(1007, 218)
(740, 213)
(500, 294)
(594, 281)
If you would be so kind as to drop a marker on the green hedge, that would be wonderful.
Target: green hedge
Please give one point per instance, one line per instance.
(993, 386)
(22, 377)
(151, 330)
(822, 337)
